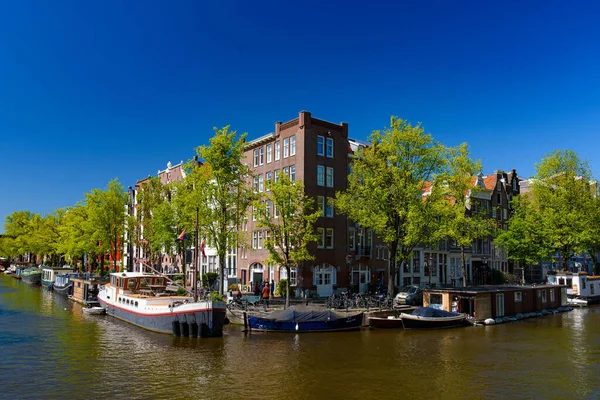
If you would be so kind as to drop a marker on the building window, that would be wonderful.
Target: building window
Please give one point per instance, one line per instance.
(329, 238)
(321, 205)
(591, 289)
(256, 183)
(268, 178)
(268, 208)
(293, 145)
(276, 173)
(243, 252)
(329, 207)
(504, 214)
(329, 148)
(255, 240)
(286, 147)
(269, 153)
(231, 263)
(275, 211)
(260, 240)
(518, 297)
(256, 157)
(261, 183)
(494, 212)
(320, 238)
(292, 173)
(329, 177)
(286, 171)
(320, 145)
(293, 277)
(320, 175)
(212, 263)
(544, 296)
(277, 150)
(351, 243)
(552, 294)
(261, 153)
(499, 198)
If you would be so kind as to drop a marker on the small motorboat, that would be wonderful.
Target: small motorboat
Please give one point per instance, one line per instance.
(94, 310)
(577, 301)
(300, 319)
(432, 318)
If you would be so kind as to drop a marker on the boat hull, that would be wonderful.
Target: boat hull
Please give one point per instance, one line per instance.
(349, 323)
(411, 322)
(386, 323)
(63, 290)
(201, 322)
(34, 279)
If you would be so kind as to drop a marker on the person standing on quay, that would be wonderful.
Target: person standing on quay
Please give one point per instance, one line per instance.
(266, 292)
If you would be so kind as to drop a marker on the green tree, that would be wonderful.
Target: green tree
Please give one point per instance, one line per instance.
(74, 239)
(464, 219)
(289, 217)
(560, 192)
(525, 239)
(45, 235)
(149, 196)
(107, 218)
(387, 185)
(18, 227)
(219, 189)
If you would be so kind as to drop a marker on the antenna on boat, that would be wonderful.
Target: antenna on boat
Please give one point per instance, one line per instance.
(195, 274)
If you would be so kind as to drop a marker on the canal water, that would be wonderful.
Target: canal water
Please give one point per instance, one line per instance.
(49, 349)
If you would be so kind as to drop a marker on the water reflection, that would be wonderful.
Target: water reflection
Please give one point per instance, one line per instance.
(77, 355)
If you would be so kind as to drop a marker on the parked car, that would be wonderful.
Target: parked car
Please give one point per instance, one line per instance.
(411, 295)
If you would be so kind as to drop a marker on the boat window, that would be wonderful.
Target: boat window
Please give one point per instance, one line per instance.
(561, 281)
(518, 297)
(570, 282)
(131, 284)
(552, 295)
(136, 303)
(544, 298)
(435, 298)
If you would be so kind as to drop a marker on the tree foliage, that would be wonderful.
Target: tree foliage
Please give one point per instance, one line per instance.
(220, 189)
(464, 221)
(386, 187)
(289, 217)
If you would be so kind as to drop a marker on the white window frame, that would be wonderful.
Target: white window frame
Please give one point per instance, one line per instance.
(518, 297)
(292, 173)
(260, 240)
(329, 147)
(321, 205)
(329, 207)
(269, 153)
(351, 238)
(286, 147)
(329, 177)
(261, 183)
(329, 231)
(320, 238)
(256, 157)
(320, 175)
(293, 145)
(261, 155)
(268, 178)
(277, 150)
(320, 145)
(276, 175)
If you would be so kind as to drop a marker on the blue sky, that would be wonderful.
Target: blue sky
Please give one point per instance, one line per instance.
(90, 91)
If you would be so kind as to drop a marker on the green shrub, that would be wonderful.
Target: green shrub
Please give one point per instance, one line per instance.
(181, 292)
(233, 287)
(281, 288)
(215, 296)
(209, 279)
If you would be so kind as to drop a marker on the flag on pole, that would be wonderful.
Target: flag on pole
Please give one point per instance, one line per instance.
(181, 235)
(202, 245)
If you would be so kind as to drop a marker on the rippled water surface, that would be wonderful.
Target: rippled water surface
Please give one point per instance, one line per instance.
(50, 349)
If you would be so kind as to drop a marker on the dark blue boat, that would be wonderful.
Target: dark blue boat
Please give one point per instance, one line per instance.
(299, 320)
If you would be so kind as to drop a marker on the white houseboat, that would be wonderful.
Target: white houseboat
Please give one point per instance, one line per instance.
(49, 274)
(141, 299)
(580, 286)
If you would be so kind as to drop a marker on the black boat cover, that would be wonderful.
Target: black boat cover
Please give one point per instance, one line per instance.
(298, 314)
(433, 312)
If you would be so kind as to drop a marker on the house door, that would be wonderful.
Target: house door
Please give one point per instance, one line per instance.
(324, 280)
(499, 304)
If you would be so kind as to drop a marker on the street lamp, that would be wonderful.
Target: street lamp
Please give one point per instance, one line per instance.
(484, 261)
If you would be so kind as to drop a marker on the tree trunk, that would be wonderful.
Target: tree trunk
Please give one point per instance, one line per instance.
(464, 266)
(392, 268)
(287, 286)
(222, 257)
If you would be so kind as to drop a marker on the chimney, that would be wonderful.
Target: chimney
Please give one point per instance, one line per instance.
(344, 130)
(277, 128)
(303, 118)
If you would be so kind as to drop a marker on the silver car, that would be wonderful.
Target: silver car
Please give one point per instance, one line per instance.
(411, 295)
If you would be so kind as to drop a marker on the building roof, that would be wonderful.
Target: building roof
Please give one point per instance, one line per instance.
(491, 288)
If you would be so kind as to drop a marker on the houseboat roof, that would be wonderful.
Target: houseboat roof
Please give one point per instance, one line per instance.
(491, 288)
(134, 274)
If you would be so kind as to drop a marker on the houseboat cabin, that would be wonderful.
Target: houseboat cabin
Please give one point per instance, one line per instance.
(49, 274)
(86, 288)
(483, 302)
(578, 285)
